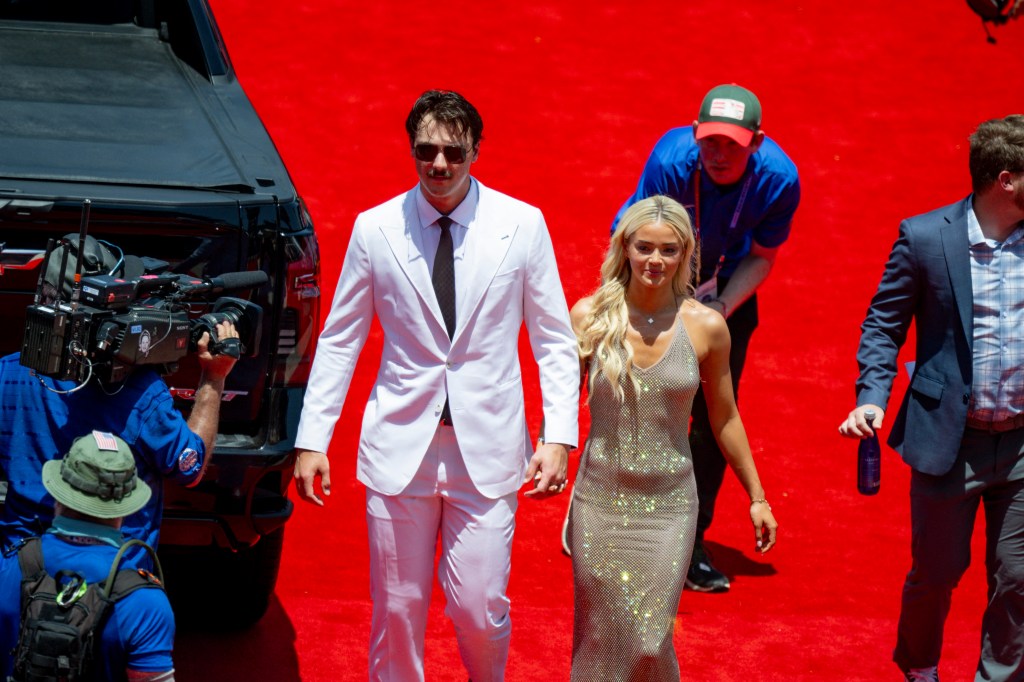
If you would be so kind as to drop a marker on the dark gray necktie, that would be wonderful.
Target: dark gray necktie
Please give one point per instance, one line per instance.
(443, 277)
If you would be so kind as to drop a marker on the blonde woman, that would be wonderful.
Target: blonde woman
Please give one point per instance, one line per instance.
(647, 345)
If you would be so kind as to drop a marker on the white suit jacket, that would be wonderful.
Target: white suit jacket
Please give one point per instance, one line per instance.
(508, 276)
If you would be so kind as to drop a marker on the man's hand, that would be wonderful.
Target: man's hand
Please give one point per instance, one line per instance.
(205, 415)
(310, 464)
(548, 470)
(216, 366)
(856, 424)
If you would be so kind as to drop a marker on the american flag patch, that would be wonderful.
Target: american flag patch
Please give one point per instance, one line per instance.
(727, 108)
(105, 441)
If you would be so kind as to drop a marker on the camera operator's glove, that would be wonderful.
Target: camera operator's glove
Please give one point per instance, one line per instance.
(231, 347)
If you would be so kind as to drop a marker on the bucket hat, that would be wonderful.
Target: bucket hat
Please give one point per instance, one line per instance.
(97, 477)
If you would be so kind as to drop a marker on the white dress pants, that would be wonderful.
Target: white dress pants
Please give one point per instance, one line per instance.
(476, 543)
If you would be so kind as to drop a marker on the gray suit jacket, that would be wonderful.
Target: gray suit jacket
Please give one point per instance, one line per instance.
(928, 280)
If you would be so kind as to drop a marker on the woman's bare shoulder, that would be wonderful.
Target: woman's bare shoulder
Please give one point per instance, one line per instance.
(705, 326)
(580, 310)
(698, 313)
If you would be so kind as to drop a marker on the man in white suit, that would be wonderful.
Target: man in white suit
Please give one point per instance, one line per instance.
(444, 445)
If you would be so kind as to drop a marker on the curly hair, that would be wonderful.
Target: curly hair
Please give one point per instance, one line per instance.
(996, 145)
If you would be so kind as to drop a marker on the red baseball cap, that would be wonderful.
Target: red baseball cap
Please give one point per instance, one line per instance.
(732, 111)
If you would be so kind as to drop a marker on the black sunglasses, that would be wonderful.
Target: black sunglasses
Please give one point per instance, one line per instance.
(428, 152)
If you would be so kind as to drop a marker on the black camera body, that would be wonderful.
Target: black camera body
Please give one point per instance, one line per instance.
(117, 324)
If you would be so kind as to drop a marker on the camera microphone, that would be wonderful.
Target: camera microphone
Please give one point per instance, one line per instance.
(226, 282)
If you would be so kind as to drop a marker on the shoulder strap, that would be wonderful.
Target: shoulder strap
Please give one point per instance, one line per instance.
(114, 575)
(128, 580)
(30, 558)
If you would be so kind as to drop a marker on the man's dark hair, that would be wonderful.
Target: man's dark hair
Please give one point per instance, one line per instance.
(996, 145)
(449, 109)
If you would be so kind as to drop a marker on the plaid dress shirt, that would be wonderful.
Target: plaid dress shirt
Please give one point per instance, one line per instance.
(997, 278)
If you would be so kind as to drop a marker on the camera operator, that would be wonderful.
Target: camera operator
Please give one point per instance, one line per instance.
(40, 418)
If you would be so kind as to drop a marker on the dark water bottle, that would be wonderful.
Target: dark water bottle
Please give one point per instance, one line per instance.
(869, 460)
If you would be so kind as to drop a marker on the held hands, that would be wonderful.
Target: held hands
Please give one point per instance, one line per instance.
(548, 470)
(765, 525)
(309, 465)
(856, 425)
(217, 365)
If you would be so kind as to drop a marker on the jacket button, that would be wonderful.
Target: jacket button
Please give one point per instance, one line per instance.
(967, 398)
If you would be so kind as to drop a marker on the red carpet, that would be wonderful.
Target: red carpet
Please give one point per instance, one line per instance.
(874, 102)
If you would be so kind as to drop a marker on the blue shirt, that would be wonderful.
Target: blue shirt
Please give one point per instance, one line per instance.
(139, 633)
(766, 212)
(38, 425)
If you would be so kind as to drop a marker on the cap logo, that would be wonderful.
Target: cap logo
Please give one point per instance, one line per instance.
(727, 108)
(104, 441)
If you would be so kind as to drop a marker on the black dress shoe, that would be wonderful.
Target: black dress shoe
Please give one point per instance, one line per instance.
(702, 576)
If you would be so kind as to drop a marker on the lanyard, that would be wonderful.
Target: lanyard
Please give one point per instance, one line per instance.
(735, 214)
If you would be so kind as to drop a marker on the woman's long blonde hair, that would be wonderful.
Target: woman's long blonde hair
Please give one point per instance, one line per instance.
(603, 330)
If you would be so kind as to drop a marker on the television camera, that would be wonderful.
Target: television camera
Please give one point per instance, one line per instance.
(113, 322)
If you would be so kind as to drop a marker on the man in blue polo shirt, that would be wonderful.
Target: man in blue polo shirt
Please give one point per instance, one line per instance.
(742, 191)
(95, 487)
(40, 417)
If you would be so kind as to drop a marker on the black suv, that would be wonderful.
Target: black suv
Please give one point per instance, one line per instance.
(134, 105)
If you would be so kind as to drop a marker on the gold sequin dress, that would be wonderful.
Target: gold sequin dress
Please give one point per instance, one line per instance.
(633, 520)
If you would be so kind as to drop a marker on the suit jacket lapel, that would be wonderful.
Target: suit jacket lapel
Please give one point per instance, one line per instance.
(488, 239)
(956, 247)
(487, 242)
(405, 238)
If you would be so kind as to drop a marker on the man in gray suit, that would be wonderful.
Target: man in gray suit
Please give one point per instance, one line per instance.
(958, 272)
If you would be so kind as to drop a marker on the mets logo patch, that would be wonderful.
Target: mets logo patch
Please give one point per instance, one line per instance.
(188, 461)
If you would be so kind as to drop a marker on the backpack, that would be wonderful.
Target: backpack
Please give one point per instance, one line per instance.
(62, 617)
